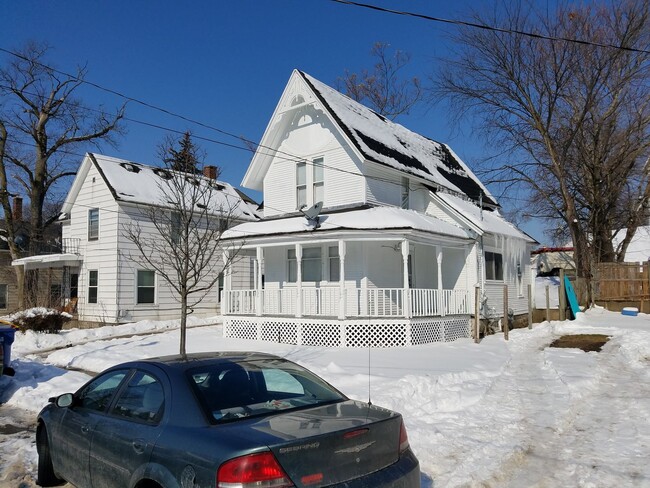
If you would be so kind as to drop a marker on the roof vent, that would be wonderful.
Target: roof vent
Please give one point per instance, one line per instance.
(163, 173)
(217, 186)
(131, 167)
(194, 181)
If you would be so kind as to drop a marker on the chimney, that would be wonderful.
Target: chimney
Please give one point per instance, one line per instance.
(18, 209)
(210, 172)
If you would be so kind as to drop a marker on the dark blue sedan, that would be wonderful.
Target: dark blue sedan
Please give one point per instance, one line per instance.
(224, 420)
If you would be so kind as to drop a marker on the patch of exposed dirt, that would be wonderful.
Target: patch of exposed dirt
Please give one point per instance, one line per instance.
(586, 342)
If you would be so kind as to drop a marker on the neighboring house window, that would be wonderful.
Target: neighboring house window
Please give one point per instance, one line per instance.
(334, 263)
(493, 266)
(175, 227)
(146, 286)
(301, 185)
(93, 285)
(319, 180)
(93, 224)
(405, 193)
(3, 296)
(312, 266)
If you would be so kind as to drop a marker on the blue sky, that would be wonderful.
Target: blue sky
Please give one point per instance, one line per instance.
(225, 63)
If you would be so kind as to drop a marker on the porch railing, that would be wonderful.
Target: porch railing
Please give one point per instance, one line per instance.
(357, 302)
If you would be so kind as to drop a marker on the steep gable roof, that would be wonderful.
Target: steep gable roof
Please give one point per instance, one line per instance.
(391, 144)
(145, 185)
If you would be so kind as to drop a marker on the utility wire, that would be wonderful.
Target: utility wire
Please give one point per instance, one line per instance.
(488, 27)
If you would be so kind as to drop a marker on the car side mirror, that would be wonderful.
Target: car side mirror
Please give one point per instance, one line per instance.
(64, 401)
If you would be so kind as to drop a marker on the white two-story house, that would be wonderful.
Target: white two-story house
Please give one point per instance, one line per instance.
(397, 235)
(100, 275)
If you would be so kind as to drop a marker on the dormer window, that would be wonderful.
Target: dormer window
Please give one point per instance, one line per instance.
(163, 173)
(130, 167)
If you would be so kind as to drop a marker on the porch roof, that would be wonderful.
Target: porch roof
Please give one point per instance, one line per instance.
(48, 261)
(377, 218)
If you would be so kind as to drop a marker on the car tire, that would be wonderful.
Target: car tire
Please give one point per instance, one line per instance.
(46, 475)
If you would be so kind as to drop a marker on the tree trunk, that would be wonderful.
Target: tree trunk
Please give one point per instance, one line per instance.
(183, 351)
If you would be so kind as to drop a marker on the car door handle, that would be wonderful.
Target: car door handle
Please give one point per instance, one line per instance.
(139, 445)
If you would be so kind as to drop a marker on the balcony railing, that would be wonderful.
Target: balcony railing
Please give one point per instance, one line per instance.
(355, 302)
(67, 245)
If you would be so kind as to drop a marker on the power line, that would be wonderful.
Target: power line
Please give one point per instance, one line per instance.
(488, 27)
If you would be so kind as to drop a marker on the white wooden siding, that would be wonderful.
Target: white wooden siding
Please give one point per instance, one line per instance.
(100, 254)
(305, 143)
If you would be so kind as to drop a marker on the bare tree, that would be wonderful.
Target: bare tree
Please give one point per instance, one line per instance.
(181, 239)
(383, 88)
(41, 120)
(574, 116)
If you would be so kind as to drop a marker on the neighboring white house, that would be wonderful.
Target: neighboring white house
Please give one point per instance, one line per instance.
(405, 233)
(108, 195)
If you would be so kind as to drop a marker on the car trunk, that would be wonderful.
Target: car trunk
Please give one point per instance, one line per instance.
(331, 444)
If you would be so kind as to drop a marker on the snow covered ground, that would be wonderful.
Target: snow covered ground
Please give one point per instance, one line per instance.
(511, 414)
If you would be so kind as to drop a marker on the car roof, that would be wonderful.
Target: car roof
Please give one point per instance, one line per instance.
(184, 361)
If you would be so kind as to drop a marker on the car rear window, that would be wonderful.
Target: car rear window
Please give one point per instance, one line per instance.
(232, 390)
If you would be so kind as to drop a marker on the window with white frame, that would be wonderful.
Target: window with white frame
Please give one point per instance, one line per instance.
(493, 266)
(301, 185)
(319, 180)
(334, 263)
(312, 265)
(146, 292)
(404, 201)
(93, 224)
(93, 285)
(3, 296)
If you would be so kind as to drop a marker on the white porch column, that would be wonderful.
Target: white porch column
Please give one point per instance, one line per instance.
(225, 302)
(441, 301)
(259, 298)
(298, 280)
(405, 270)
(342, 297)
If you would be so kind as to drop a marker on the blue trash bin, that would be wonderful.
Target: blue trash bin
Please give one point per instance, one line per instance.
(7, 334)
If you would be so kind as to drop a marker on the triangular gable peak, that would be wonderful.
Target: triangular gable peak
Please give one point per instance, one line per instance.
(297, 94)
(372, 137)
(75, 188)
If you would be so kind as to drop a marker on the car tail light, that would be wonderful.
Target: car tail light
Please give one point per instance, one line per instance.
(255, 470)
(403, 439)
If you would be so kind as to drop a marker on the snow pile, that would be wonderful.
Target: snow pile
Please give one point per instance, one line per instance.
(498, 413)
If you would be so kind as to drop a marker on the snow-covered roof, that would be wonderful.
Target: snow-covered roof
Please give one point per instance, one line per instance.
(391, 144)
(377, 218)
(485, 220)
(146, 185)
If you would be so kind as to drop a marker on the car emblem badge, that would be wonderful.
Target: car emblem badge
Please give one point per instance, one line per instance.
(354, 449)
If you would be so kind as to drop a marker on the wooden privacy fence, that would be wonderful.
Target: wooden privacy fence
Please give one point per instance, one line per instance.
(621, 281)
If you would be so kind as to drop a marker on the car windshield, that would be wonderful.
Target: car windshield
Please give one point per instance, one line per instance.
(232, 390)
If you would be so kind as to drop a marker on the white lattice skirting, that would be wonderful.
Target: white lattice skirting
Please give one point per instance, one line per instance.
(348, 333)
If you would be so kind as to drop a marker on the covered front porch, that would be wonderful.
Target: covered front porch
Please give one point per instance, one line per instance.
(370, 290)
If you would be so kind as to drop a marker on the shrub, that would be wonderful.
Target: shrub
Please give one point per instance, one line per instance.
(40, 319)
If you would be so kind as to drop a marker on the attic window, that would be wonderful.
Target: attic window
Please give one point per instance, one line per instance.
(130, 167)
(163, 173)
(192, 180)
